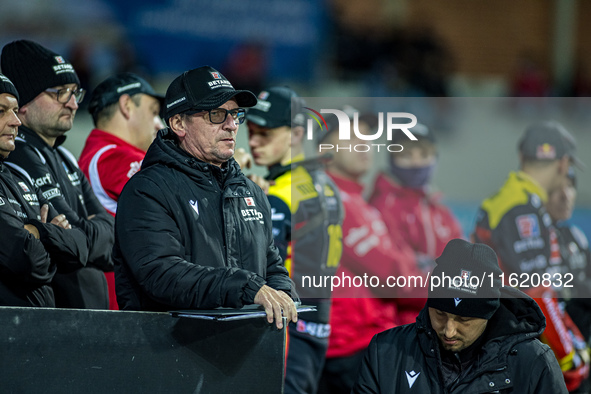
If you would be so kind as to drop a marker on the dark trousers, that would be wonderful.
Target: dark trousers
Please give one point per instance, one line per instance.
(305, 359)
(340, 374)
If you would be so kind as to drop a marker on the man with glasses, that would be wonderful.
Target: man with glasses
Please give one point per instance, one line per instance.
(192, 231)
(49, 96)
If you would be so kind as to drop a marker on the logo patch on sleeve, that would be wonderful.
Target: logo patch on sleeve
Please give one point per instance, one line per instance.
(528, 226)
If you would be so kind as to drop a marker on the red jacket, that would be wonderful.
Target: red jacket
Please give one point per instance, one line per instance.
(420, 221)
(358, 314)
(108, 162)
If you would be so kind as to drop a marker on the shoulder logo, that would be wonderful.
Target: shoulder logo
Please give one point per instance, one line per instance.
(457, 301)
(411, 377)
(249, 201)
(194, 206)
(24, 186)
(2, 201)
(528, 226)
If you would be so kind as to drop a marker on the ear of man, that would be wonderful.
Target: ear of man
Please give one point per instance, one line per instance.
(178, 125)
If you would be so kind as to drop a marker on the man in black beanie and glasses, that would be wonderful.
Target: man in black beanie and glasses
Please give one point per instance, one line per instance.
(471, 337)
(50, 92)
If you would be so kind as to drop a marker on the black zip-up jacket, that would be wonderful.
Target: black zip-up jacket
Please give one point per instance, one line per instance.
(55, 172)
(407, 359)
(189, 235)
(27, 264)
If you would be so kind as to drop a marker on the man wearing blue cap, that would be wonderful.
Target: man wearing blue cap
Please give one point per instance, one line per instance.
(192, 231)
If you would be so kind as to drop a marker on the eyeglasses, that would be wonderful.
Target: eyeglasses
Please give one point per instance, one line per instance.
(64, 95)
(219, 115)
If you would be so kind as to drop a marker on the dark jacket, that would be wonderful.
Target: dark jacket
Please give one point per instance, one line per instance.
(27, 264)
(55, 172)
(190, 235)
(407, 359)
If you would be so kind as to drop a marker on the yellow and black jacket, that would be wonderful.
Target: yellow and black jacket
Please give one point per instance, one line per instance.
(307, 215)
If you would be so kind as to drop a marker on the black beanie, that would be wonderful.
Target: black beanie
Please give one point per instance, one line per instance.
(468, 295)
(33, 68)
(6, 86)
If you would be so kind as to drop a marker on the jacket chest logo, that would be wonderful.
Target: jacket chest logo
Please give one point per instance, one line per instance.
(194, 205)
(411, 377)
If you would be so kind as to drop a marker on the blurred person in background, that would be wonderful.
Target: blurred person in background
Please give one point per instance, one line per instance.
(125, 110)
(307, 216)
(576, 259)
(49, 92)
(515, 223)
(411, 211)
(359, 313)
(30, 248)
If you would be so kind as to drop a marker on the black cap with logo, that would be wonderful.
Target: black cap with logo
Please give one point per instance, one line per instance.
(274, 108)
(461, 296)
(203, 88)
(548, 141)
(109, 91)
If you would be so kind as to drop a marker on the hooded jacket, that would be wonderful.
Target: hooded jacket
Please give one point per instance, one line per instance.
(189, 235)
(407, 359)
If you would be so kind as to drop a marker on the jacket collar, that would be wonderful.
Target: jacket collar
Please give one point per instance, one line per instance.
(34, 139)
(529, 184)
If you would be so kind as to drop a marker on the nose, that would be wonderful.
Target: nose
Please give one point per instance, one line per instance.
(230, 123)
(14, 120)
(449, 330)
(253, 140)
(158, 123)
(72, 104)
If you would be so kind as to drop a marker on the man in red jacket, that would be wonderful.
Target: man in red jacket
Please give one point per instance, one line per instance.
(126, 113)
(411, 211)
(359, 313)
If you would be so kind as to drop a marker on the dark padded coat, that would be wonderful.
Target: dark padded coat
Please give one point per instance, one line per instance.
(407, 359)
(190, 235)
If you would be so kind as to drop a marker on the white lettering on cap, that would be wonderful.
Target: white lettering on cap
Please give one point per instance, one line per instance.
(175, 102)
(130, 86)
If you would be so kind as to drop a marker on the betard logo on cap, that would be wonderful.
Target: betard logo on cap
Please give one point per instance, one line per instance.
(263, 95)
(62, 66)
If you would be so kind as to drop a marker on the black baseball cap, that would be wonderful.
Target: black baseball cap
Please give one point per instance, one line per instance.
(274, 108)
(548, 141)
(109, 91)
(203, 88)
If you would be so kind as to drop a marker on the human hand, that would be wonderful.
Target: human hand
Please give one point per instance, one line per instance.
(277, 304)
(61, 221)
(243, 158)
(261, 182)
(33, 230)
